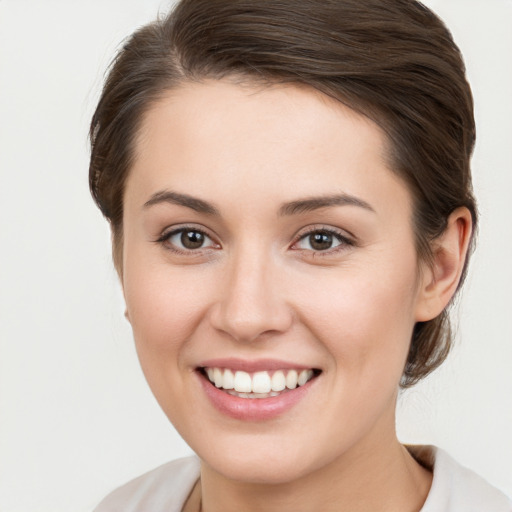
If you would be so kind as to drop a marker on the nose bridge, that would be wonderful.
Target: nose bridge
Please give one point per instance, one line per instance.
(252, 301)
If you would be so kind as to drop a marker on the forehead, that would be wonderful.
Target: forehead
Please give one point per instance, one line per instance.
(218, 136)
(214, 107)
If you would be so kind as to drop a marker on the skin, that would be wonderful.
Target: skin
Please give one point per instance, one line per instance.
(257, 289)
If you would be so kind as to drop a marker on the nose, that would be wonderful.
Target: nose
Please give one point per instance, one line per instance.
(252, 302)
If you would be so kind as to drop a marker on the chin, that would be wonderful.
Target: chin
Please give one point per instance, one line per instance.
(262, 459)
(260, 469)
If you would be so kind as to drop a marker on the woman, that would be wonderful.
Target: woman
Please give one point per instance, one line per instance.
(289, 192)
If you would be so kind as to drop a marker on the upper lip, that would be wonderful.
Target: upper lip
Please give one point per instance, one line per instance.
(256, 365)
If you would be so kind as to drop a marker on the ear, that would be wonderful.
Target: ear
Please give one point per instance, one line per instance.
(439, 280)
(126, 312)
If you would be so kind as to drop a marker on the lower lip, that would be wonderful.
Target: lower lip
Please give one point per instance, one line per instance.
(253, 409)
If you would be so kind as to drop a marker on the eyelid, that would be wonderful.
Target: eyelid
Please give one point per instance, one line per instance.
(170, 231)
(346, 239)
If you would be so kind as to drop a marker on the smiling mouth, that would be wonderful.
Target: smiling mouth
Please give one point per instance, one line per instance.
(262, 384)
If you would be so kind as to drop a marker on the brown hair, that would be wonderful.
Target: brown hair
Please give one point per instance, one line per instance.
(391, 60)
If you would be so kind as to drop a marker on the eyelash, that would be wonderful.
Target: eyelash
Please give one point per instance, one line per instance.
(343, 240)
(164, 239)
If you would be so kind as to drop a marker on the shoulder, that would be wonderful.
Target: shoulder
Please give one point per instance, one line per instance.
(163, 488)
(456, 488)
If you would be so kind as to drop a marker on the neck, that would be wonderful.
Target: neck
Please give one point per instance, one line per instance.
(379, 476)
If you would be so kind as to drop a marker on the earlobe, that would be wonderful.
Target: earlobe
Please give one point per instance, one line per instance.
(440, 279)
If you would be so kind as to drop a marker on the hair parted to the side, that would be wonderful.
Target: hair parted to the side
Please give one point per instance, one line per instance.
(393, 61)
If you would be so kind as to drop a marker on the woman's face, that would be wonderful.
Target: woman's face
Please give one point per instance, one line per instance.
(264, 234)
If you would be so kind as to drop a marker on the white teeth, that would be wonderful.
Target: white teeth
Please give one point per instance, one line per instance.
(218, 377)
(243, 383)
(229, 380)
(304, 376)
(291, 379)
(258, 384)
(253, 395)
(261, 382)
(278, 381)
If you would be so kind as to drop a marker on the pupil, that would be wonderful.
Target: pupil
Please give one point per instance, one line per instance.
(192, 239)
(320, 241)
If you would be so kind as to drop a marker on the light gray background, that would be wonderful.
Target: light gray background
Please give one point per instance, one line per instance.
(76, 417)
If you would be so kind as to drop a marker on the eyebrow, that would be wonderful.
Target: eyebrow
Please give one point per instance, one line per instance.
(315, 203)
(292, 208)
(167, 196)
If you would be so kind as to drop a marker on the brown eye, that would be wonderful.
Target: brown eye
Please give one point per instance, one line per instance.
(192, 239)
(320, 241)
(188, 239)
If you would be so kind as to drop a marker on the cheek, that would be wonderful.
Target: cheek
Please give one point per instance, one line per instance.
(365, 319)
(165, 307)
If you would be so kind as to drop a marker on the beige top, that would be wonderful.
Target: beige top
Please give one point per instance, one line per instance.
(166, 488)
